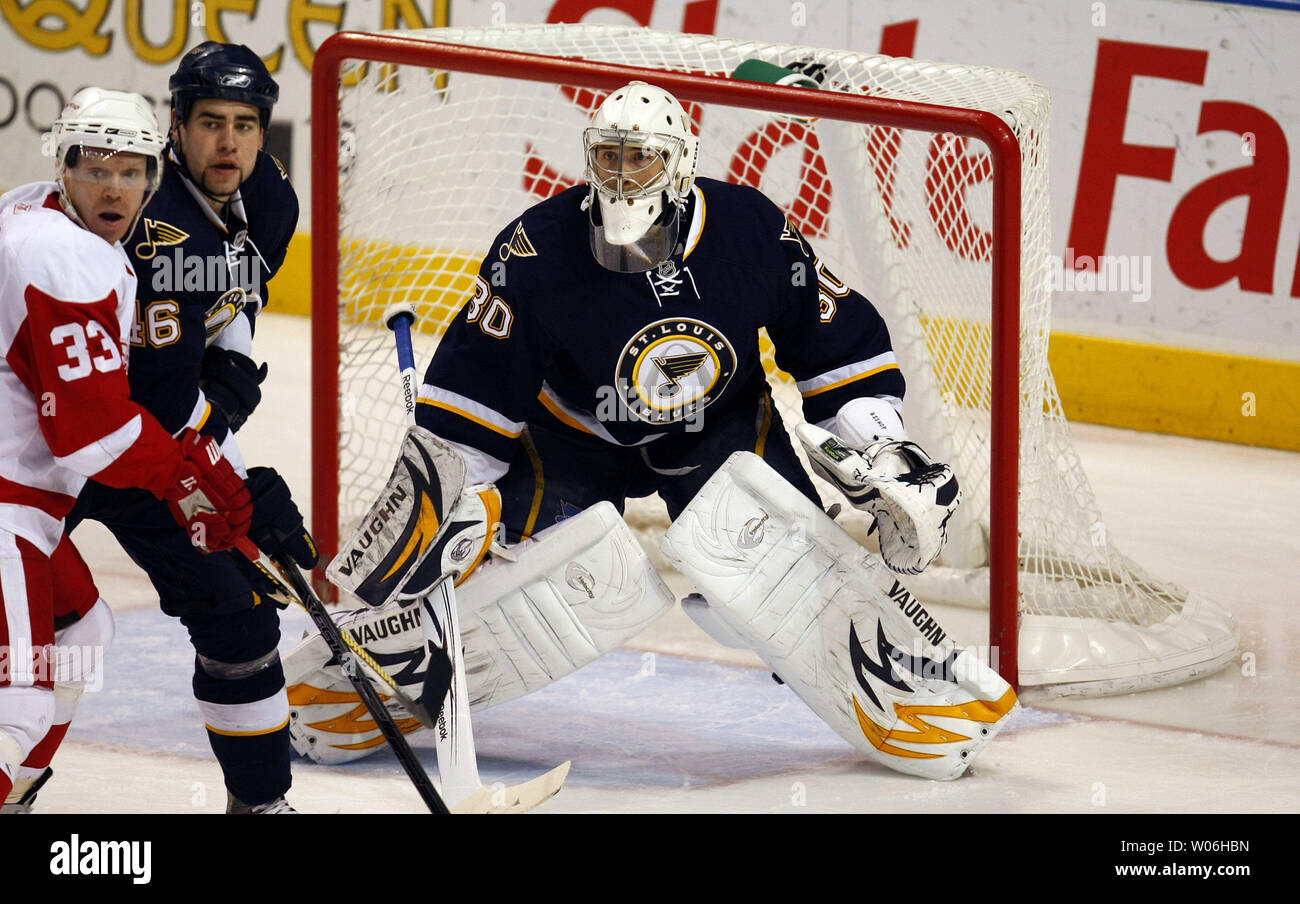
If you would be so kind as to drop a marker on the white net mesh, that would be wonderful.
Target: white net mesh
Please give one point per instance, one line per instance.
(432, 165)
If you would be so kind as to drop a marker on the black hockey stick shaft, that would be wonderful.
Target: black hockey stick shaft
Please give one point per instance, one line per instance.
(352, 669)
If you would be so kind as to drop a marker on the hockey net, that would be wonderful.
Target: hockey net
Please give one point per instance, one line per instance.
(432, 162)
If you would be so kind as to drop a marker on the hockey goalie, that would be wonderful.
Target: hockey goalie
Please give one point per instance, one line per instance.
(610, 351)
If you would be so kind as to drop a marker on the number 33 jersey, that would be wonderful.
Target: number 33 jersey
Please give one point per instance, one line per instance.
(66, 300)
(551, 337)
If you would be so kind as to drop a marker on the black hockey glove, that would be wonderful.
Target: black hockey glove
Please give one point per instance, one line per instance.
(232, 383)
(277, 526)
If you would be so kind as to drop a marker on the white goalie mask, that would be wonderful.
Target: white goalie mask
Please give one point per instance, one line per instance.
(640, 164)
(102, 123)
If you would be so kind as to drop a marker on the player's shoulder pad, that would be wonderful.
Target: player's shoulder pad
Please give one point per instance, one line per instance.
(754, 224)
(739, 199)
(269, 174)
(544, 238)
(60, 258)
(268, 187)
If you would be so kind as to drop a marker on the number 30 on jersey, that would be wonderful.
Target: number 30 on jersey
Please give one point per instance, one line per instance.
(493, 317)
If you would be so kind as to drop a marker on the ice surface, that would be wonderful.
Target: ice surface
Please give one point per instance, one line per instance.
(676, 723)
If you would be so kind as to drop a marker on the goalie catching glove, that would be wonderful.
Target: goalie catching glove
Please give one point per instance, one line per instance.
(910, 496)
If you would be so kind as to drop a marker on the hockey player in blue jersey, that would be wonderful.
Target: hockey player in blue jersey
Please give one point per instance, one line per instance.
(216, 231)
(610, 350)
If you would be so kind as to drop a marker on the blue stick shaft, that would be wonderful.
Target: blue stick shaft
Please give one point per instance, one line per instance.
(401, 327)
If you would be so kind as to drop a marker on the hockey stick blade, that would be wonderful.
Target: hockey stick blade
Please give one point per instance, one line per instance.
(339, 646)
(457, 761)
(501, 798)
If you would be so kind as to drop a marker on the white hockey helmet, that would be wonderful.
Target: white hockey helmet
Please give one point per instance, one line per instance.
(640, 158)
(116, 122)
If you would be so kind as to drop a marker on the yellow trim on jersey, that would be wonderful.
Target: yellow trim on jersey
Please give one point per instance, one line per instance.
(766, 426)
(246, 734)
(561, 415)
(847, 380)
(539, 485)
(207, 412)
(703, 213)
(425, 400)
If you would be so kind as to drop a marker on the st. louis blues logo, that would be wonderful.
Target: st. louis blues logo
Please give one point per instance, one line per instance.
(673, 368)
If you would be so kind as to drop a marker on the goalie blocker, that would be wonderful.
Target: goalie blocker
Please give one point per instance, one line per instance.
(822, 612)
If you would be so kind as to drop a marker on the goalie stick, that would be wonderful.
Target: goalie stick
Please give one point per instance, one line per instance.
(457, 761)
(350, 658)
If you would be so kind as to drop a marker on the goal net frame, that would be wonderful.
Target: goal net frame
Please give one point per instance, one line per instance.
(1000, 142)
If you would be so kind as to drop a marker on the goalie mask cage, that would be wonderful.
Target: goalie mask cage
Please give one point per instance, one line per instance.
(925, 186)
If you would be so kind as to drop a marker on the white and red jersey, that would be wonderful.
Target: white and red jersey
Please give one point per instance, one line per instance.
(67, 300)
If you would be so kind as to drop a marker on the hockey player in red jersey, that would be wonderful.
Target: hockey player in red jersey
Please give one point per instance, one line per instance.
(67, 297)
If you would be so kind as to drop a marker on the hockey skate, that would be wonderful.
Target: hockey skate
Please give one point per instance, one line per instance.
(277, 807)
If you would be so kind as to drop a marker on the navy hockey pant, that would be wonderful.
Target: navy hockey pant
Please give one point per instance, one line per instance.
(557, 473)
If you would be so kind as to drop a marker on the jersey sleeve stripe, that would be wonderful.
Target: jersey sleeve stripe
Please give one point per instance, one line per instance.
(98, 455)
(849, 373)
(470, 410)
(207, 412)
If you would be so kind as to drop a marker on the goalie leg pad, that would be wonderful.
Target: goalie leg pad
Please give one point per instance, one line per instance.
(834, 625)
(574, 592)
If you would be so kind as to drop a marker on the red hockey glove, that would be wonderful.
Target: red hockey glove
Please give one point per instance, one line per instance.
(209, 500)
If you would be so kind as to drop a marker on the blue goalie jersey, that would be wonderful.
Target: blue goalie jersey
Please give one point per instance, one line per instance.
(192, 266)
(550, 337)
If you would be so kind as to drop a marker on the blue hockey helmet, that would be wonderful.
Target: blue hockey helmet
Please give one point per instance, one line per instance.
(223, 71)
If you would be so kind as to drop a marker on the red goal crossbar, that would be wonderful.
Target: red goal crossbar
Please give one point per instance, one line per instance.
(1004, 151)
